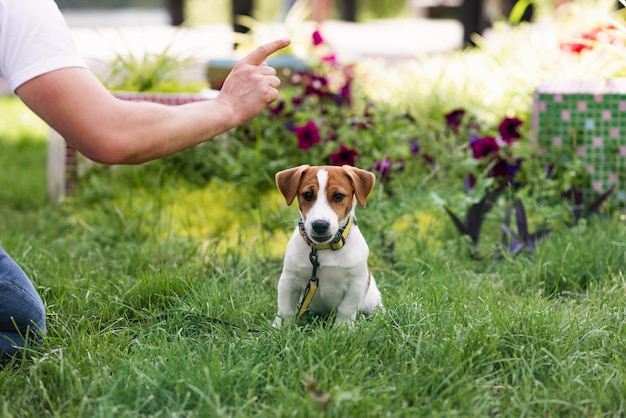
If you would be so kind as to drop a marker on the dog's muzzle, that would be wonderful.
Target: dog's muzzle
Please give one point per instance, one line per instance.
(320, 232)
(333, 242)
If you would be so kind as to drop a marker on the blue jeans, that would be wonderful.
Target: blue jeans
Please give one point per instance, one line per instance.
(22, 313)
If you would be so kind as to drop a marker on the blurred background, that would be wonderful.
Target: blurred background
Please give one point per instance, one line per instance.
(219, 11)
(200, 31)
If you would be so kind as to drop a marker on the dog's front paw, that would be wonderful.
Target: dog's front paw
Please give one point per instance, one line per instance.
(278, 322)
(343, 318)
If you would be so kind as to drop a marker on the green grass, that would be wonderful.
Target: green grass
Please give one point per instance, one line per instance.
(21, 133)
(161, 294)
(144, 322)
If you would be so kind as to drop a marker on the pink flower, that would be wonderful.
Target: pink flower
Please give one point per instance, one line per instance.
(317, 38)
(331, 59)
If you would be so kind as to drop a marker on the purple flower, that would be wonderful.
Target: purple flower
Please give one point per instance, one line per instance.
(345, 156)
(316, 85)
(290, 125)
(297, 101)
(473, 137)
(506, 171)
(308, 135)
(383, 167)
(317, 38)
(454, 118)
(509, 129)
(414, 147)
(500, 169)
(469, 182)
(515, 167)
(346, 92)
(484, 146)
(277, 109)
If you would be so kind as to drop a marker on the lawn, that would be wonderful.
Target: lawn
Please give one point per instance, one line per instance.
(160, 280)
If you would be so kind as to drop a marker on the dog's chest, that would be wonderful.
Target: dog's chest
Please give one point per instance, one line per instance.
(338, 271)
(335, 263)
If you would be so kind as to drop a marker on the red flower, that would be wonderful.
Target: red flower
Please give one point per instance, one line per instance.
(308, 135)
(574, 47)
(509, 129)
(484, 147)
(588, 40)
(345, 156)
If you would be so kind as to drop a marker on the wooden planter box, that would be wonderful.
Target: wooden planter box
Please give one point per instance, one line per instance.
(65, 165)
(586, 118)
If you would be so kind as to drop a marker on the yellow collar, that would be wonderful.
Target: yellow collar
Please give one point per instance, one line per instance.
(338, 241)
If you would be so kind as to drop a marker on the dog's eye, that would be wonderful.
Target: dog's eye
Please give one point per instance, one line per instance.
(308, 196)
(338, 197)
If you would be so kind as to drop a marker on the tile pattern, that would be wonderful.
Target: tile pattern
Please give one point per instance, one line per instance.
(585, 119)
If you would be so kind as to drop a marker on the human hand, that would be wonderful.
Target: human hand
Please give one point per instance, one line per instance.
(252, 84)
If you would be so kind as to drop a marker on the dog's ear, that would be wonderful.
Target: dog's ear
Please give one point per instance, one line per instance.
(363, 182)
(288, 181)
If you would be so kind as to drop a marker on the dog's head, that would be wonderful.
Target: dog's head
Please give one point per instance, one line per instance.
(327, 196)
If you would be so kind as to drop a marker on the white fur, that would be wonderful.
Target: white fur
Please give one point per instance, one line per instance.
(344, 283)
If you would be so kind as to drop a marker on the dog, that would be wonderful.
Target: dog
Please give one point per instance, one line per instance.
(325, 268)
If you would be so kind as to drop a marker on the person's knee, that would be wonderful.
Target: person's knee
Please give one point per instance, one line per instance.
(37, 318)
(25, 330)
(21, 308)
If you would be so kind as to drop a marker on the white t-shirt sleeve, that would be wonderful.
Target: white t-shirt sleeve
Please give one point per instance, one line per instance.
(34, 40)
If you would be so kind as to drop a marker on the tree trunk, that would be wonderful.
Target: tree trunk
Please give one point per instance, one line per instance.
(176, 9)
(241, 7)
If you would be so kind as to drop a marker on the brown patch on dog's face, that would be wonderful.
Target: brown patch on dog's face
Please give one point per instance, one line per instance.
(341, 185)
(326, 188)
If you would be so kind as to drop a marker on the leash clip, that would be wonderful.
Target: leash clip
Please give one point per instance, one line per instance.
(314, 262)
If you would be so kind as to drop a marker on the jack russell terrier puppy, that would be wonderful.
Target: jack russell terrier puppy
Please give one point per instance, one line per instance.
(325, 267)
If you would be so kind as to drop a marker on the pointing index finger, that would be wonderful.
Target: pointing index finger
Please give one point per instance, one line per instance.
(258, 56)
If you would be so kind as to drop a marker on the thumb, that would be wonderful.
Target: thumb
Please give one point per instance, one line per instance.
(258, 56)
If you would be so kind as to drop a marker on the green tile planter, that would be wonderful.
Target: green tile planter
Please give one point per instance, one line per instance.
(588, 118)
(218, 69)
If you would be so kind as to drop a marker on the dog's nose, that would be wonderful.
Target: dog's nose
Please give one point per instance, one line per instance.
(320, 227)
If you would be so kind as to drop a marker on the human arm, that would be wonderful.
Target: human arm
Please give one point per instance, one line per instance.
(113, 131)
